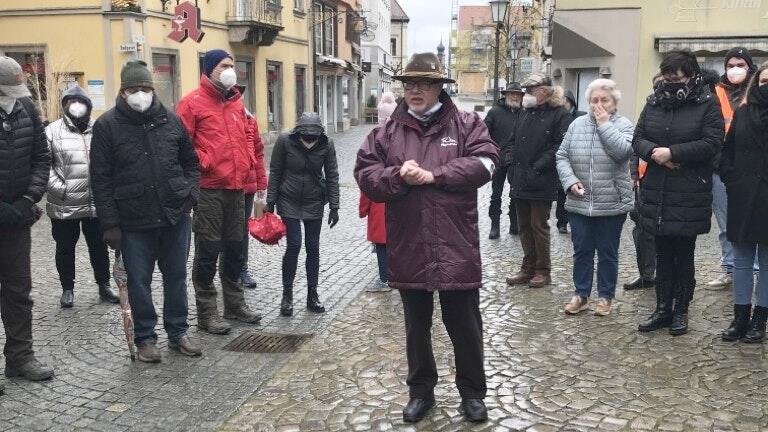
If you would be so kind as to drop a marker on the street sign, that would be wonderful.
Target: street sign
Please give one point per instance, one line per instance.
(366, 66)
(526, 65)
(128, 47)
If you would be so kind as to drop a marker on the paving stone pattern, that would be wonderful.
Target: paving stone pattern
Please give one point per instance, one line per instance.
(546, 371)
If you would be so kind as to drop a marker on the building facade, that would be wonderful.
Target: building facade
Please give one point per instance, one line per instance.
(377, 58)
(398, 43)
(625, 40)
(270, 40)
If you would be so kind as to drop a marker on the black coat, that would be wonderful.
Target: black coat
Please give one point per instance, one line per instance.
(294, 187)
(538, 134)
(679, 202)
(144, 170)
(501, 121)
(744, 170)
(25, 160)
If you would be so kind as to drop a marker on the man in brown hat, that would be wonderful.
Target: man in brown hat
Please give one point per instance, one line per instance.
(501, 121)
(426, 163)
(532, 176)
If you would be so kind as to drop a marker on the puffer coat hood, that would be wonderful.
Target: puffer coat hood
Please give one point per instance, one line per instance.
(598, 157)
(69, 185)
(309, 124)
(79, 93)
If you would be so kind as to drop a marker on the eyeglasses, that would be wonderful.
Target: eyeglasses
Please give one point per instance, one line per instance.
(418, 85)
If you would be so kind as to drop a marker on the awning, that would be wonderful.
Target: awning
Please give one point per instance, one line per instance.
(711, 44)
(332, 60)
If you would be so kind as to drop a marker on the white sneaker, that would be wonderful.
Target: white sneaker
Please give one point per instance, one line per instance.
(723, 281)
(378, 286)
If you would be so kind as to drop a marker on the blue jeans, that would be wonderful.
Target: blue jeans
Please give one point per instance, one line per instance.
(169, 247)
(720, 209)
(743, 273)
(601, 234)
(311, 241)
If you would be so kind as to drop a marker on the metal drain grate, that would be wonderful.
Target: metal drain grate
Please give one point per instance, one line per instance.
(250, 342)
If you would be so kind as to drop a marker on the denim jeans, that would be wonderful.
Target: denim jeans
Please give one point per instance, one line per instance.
(497, 188)
(601, 234)
(743, 274)
(720, 209)
(311, 241)
(381, 258)
(169, 247)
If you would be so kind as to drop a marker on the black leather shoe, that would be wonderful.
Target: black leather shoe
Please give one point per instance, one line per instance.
(639, 283)
(67, 299)
(495, 228)
(562, 229)
(313, 302)
(106, 294)
(417, 408)
(2, 389)
(474, 410)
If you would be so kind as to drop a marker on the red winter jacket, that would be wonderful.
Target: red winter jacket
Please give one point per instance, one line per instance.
(377, 227)
(433, 241)
(222, 135)
(257, 177)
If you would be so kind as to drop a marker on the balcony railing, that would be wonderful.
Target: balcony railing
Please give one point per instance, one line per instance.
(256, 11)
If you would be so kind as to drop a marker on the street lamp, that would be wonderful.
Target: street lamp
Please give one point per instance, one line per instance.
(498, 13)
(514, 53)
(508, 61)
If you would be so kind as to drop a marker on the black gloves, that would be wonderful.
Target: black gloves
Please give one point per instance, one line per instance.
(9, 216)
(113, 237)
(333, 218)
(270, 208)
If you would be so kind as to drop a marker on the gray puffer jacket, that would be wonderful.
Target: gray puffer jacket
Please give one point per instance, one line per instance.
(598, 157)
(69, 186)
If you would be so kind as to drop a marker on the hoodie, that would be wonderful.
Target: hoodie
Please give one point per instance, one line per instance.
(78, 93)
(736, 91)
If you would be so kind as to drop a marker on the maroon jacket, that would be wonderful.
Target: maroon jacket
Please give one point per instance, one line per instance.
(432, 237)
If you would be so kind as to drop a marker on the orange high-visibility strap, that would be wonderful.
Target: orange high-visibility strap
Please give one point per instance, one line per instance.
(725, 106)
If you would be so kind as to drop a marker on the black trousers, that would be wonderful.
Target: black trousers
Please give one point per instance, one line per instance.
(246, 236)
(66, 233)
(674, 261)
(497, 188)
(312, 230)
(15, 302)
(462, 320)
(560, 213)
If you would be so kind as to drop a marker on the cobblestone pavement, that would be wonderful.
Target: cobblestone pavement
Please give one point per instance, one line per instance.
(98, 388)
(546, 371)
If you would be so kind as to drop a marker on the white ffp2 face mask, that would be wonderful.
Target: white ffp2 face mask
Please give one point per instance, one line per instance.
(77, 109)
(140, 101)
(228, 78)
(736, 75)
(529, 101)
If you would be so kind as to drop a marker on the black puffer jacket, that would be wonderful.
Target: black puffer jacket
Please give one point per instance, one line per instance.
(537, 136)
(294, 187)
(679, 202)
(144, 170)
(501, 121)
(25, 160)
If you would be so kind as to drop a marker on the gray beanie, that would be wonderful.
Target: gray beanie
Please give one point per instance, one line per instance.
(135, 73)
(309, 124)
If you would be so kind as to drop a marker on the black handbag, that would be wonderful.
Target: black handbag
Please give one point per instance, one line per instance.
(318, 175)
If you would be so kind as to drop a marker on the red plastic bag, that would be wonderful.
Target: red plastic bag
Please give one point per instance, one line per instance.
(268, 229)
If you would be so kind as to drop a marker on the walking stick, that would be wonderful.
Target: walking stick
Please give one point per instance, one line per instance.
(121, 279)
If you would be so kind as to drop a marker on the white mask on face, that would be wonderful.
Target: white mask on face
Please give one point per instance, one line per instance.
(228, 78)
(78, 109)
(736, 75)
(7, 103)
(530, 101)
(140, 101)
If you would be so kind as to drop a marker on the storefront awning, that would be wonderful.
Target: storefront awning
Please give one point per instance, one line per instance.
(711, 45)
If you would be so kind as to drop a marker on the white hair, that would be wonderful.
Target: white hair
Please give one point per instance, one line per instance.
(604, 84)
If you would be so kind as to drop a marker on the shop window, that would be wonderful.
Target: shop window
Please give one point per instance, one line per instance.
(301, 96)
(165, 68)
(274, 96)
(244, 70)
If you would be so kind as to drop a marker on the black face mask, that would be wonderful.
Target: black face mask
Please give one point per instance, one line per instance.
(674, 91)
(763, 89)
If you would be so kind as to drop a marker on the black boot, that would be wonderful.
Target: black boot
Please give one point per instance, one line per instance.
(67, 299)
(683, 295)
(662, 316)
(495, 227)
(639, 283)
(106, 294)
(286, 304)
(740, 323)
(313, 303)
(513, 229)
(756, 332)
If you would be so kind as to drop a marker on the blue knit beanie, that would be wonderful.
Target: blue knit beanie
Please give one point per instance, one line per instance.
(212, 59)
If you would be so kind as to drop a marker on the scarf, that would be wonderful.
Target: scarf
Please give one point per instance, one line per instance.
(424, 118)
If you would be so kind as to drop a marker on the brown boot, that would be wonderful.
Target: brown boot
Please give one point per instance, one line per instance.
(521, 278)
(540, 280)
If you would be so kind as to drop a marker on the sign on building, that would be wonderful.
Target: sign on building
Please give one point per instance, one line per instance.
(526, 65)
(186, 23)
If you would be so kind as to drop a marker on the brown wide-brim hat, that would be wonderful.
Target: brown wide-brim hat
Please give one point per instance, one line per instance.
(423, 66)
